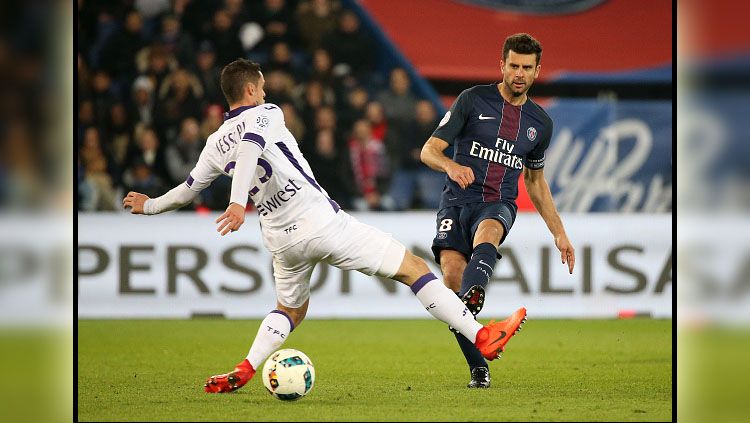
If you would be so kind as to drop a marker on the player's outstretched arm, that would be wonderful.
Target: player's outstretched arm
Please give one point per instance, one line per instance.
(432, 155)
(541, 196)
(175, 198)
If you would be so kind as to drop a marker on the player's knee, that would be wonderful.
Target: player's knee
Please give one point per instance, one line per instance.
(491, 234)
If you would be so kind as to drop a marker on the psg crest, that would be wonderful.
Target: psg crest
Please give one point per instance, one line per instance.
(531, 133)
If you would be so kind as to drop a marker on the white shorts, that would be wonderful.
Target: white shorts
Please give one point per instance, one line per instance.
(345, 243)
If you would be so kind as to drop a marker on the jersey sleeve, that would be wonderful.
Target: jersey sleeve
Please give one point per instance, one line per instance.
(455, 118)
(260, 129)
(203, 173)
(535, 158)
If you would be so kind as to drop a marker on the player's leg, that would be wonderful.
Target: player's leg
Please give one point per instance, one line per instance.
(444, 305)
(488, 225)
(451, 248)
(452, 264)
(292, 271)
(483, 258)
(353, 245)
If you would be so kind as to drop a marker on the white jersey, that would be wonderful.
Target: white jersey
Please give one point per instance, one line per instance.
(290, 202)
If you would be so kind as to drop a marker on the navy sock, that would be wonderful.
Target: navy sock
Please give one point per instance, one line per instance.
(474, 358)
(479, 269)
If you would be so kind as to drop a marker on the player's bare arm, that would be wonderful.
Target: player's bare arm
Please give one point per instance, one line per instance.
(541, 196)
(433, 156)
(175, 198)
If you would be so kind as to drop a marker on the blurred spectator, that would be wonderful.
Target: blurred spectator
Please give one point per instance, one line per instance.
(293, 122)
(332, 169)
(96, 180)
(278, 87)
(275, 18)
(347, 44)
(410, 176)
(176, 42)
(322, 66)
(194, 15)
(179, 98)
(315, 20)
(142, 108)
(224, 36)
(354, 108)
(144, 180)
(281, 59)
(326, 119)
(369, 166)
(375, 114)
(237, 10)
(212, 120)
(118, 53)
(183, 154)
(156, 63)
(118, 132)
(208, 73)
(97, 186)
(103, 97)
(148, 152)
(315, 95)
(401, 102)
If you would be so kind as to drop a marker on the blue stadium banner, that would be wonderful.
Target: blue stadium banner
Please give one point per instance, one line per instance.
(611, 155)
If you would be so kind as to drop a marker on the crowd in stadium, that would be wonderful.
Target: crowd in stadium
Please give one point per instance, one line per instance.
(149, 95)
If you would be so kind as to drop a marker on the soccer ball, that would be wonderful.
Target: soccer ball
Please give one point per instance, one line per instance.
(288, 374)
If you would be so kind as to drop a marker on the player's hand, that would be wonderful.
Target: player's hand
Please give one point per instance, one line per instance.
(567, 252)
(134, 200)
(462, 175)
(232, 219)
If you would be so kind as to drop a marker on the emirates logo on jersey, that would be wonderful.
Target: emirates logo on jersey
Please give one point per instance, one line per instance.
(531, 133)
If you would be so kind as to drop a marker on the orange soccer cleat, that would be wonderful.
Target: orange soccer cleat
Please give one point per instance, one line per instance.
(231, 381)
(492, 338)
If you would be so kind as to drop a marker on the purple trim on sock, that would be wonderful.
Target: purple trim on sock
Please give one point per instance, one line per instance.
(422, 281)
(291, 323)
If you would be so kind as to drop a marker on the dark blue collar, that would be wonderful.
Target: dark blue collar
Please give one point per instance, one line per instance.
(234, 112)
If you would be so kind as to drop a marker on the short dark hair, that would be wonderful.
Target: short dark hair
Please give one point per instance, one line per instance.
(235, 76)
(522, 43)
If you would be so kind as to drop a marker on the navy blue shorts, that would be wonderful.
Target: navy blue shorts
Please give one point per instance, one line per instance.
(456, 225)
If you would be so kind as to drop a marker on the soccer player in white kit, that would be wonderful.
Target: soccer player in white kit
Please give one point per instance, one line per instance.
(301, 225)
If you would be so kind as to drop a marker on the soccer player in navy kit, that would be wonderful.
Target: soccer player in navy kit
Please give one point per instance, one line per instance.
(497, 132)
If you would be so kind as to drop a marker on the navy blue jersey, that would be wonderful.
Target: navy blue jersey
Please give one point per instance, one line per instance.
(496, 140)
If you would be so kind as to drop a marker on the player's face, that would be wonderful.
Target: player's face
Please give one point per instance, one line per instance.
(258, 94)
(519, 72)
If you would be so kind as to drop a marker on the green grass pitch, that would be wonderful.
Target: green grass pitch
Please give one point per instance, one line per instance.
(378, 370)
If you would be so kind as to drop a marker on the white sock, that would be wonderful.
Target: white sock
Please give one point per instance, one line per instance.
(445, 306)
(271, 335)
